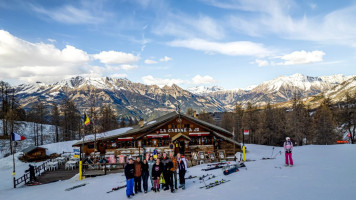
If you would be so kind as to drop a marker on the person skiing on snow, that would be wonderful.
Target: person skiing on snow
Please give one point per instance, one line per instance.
(156, 174)
(182, 165)
(288, 146)
(129, 173)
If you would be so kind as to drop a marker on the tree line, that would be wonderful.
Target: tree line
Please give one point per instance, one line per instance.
(270, 125)
(66, 117)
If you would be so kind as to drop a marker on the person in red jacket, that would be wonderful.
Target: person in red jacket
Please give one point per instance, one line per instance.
(288, 146)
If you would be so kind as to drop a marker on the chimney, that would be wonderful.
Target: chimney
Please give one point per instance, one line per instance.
(141, 122)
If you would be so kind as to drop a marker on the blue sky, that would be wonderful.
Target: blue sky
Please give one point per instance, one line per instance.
(232, 43)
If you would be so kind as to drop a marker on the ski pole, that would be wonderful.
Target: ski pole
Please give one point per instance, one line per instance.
(272, 152)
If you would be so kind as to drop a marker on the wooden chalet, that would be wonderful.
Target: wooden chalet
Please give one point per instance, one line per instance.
(33, 153)
(174, 132)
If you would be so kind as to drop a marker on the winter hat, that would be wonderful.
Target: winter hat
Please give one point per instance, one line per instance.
(287, 138)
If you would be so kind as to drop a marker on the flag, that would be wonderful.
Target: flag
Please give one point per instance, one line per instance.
(17, 137)
(86, 120)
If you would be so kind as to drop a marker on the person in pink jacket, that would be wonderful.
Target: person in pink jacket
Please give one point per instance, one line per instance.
(288, 146)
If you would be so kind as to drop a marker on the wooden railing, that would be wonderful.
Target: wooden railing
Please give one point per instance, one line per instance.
(26, 177)
(102, 167)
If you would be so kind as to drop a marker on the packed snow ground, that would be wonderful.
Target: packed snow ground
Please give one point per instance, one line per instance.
(319, 172)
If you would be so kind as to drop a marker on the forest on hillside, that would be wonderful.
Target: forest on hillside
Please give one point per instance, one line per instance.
(268, 125)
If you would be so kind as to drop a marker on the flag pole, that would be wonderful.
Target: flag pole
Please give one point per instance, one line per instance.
(13, 161)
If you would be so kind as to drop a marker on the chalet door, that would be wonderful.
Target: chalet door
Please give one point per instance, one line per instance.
(182, 147)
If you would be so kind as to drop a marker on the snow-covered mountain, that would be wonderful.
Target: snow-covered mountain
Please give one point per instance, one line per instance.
(202, 90)
(128, 98)
(280, 89)
(140, 100)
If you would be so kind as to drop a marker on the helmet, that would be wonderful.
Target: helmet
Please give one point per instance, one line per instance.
(287, 138)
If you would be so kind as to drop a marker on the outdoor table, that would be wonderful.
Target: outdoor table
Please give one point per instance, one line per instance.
(52, 166)
(71, 164)
(61, 160)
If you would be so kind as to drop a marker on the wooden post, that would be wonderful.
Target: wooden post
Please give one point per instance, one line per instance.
(105, 168)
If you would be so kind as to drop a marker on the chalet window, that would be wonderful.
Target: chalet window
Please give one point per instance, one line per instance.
(187, 126)
(90, 146)
(173, 126)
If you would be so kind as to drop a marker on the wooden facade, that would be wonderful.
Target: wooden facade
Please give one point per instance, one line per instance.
(34, 153)
(174, 132)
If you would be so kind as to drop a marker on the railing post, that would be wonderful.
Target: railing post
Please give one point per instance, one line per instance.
(105, 168)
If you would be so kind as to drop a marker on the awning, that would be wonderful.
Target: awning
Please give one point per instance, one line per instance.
(158, 136)
(199, 134)
(125, 139)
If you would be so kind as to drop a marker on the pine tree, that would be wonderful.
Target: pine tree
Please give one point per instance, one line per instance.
(347, 116)
(55, 120)
(324, 125)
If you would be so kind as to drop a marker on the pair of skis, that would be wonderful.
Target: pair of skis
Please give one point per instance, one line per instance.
(204, 176)
(116, 188)
(214, 184)
(74, 187)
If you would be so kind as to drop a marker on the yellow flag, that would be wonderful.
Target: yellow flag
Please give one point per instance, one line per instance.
(87, 120)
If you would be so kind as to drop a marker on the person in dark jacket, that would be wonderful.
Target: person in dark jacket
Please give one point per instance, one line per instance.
(129, 173)
(167, 173)
(145, 175)
(31, 169)
(138, 175)
(157, 169)
(182, 166)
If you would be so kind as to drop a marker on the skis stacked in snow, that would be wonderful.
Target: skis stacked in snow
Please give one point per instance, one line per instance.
(229, 169)
(116, 188)
(204, 176)
(213, 167)
(213, 184)
(190, 177)
(74, 187)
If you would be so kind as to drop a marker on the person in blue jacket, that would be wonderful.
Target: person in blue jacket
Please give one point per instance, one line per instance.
(129, 173)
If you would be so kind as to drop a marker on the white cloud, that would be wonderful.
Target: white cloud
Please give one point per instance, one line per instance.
(85, 13)
(28, 61)
(119, 76)
(302, 57)
(150, 62)
(128, 67)
(165, 59)
(116, 57)
(203, 79)
(277, 17)
(262, 63)
(182, 25)
(238, 48)
(150, 80)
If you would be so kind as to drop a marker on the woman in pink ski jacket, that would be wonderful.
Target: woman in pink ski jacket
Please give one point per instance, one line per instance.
(288, 146)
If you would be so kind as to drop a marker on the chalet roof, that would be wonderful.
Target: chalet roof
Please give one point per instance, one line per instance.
(180, 135)
(147, 128)
(31, 148)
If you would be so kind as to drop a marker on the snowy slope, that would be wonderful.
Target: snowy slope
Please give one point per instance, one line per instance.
(26, 129)
(320, 172)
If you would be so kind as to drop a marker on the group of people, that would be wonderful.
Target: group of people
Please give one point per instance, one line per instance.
(158, 170)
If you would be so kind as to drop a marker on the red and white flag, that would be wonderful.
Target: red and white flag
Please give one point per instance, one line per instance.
(17, 137)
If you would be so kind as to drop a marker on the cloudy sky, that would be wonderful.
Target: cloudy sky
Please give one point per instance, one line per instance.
(232, 43)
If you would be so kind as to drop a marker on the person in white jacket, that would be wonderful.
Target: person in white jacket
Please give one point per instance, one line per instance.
(182, 166)
(288, 146)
